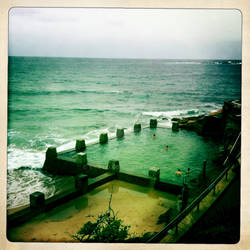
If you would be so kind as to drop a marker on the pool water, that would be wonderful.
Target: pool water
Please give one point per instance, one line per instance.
(138, 152)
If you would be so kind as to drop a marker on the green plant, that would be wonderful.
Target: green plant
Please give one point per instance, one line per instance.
(107, 228)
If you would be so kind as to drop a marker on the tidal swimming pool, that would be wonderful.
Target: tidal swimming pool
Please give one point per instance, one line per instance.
(138, 152)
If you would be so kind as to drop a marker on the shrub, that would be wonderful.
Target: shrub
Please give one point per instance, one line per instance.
(107, 228)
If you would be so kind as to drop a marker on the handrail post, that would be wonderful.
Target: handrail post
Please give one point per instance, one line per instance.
(214, 189)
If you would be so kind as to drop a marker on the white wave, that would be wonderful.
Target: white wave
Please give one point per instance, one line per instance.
(90, 138)
(28, 158)
(171, 114)
(165, 124)
(184, 62)
(22, 183)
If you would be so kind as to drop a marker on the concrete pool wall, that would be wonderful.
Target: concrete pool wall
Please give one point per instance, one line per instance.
(39, 205)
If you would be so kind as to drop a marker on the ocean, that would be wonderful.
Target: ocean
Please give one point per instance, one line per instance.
(53, 101)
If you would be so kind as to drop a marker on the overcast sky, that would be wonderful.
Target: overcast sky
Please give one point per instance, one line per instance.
(125, 33)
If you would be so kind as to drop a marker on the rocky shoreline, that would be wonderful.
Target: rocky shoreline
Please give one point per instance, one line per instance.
(224, 124)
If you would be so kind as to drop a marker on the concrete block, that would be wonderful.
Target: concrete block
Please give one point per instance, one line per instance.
(51, 153)
(81, 182)
(51, 162)
(154, 173)
(120, 133)
(81, 158)
(114, 166)
(103, 138)
(37, 199)
(153, 123)
(175, 126)
(137, 127)
(80, 145)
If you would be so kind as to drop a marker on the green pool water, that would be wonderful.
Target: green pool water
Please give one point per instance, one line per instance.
(138, 152)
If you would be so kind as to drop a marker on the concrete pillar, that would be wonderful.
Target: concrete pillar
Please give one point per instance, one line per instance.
(114, 166)
(51, 153)
(81, 182)
(154, 173)
(80, 145)
(103, 138)
(51, 161)
(81, 158)
(137, 127)
(175, 126)
(37, 200)
(120, 133)
(153, 123)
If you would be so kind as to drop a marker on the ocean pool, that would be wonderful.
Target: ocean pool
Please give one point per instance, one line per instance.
(138, 152)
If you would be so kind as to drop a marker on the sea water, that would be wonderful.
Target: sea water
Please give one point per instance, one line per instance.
(53, 101)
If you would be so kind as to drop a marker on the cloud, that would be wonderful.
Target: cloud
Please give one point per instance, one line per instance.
(143, 33)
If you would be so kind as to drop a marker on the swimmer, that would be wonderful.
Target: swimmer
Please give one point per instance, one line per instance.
(188, 171)
(178, 172)
(154, 136)
(166, 147)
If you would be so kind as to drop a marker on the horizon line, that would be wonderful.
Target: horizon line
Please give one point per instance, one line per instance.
(129, 58)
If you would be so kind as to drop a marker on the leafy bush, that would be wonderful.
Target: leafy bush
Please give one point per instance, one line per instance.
(108, 228)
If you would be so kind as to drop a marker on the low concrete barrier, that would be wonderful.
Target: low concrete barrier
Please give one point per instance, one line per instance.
(153, 123)
(103, 138)
(137, 127)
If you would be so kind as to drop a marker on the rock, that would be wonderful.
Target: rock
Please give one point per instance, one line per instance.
(175, 126)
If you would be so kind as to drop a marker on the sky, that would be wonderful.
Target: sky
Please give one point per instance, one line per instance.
(125, 33)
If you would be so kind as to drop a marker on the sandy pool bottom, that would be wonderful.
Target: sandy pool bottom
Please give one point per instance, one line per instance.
(137, 206)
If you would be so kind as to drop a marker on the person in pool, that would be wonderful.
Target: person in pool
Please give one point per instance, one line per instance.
(166, 147)
(178, 172)
(188, 171)
(154, 136)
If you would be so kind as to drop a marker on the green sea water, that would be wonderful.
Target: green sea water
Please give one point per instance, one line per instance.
(53, 101)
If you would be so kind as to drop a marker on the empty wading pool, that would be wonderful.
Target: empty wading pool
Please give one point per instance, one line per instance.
(138, 152)
(138, 206)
